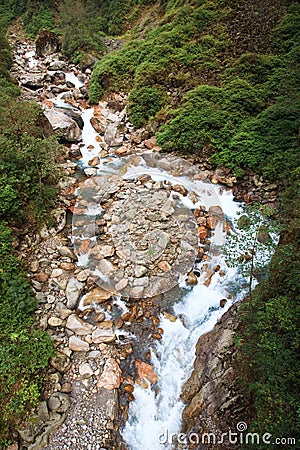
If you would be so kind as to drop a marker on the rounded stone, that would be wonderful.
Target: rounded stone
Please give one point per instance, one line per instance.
(54, 403)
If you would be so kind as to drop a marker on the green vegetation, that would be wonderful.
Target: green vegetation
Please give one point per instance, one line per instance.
(24, 351)
(270, 343)
(11, 9)
(252, 246)
(27, 167)
(39, 16)
(78, 30)
(214, 84)
(242, 110)
(175, 54)
(27, 189)
(144, 103)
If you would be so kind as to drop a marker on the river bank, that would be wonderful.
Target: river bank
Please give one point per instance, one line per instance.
(87, 371)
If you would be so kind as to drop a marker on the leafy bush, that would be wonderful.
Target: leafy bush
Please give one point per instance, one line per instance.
(162, 60)
(271, 345)
(5, 56)
(144, 103)
(268, 142)
(209, 116)
(11, 9)
(27, 171)
(24, 351)
(38, 17)
(27, 162)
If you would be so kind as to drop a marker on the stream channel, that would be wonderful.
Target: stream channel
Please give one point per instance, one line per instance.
(156, 409)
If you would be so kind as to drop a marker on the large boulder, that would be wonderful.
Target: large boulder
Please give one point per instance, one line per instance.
(104, 333)
(64, 126)
(75, 115)
(111, 375)
(88, 61)
(78, 326)
(47, 43)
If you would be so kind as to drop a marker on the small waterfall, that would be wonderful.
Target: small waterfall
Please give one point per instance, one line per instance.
(153, 416)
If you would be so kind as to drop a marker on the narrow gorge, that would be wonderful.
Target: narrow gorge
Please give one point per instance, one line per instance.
(149, 224)
(128, 285)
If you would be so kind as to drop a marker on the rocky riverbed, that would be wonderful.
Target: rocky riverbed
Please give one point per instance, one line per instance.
(91, 378)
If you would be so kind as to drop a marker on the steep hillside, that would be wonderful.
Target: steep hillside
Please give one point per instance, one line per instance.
(214, 78)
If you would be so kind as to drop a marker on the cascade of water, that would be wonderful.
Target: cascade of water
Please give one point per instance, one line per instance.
(153, 416)
(156, 413)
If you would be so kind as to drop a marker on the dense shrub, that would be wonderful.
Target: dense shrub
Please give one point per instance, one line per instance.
(39, 16)
(27, 171)
(24, 351)
(209, 115)
(167, 58)
(144, 103)
(270, 343)
(27, 164)
(77, 30)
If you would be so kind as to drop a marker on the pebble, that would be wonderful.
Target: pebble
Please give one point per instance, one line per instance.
(55, 322)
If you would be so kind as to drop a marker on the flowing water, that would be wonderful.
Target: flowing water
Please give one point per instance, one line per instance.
(156, 413)
(154, 416)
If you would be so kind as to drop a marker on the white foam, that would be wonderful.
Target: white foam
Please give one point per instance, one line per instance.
(89, 139)
(150, 414)
(72, 78)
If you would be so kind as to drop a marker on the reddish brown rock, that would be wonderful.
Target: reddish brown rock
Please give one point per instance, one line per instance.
(212, 222)
(41, 276)
(97, 125)
(145, 374)
(97, 295)
(164, 266)
(157, 336)
(192, 279)
(202, 233)
(94, 161)
(123, 150)
(111, 375)
(136, 137)
(126, 316)
(180, 189)
(129, 388)
(150, 143)
(85, 246)
(67, 266)
(223, 302)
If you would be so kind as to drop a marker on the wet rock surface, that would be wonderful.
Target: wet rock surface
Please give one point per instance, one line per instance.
(64, 126)
(213, 395)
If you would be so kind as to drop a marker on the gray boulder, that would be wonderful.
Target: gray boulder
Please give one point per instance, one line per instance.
(33, 81)
(47, 43)
(64, 126)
